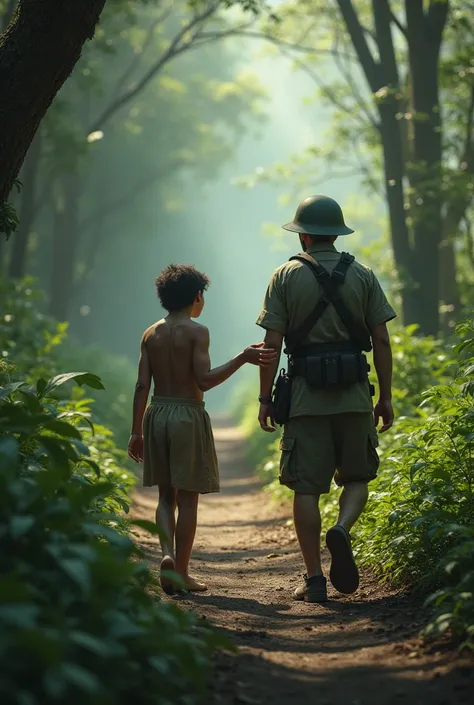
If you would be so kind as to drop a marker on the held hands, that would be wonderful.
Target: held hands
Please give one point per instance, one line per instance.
(258, 355)
(135, 447)
(383, 410)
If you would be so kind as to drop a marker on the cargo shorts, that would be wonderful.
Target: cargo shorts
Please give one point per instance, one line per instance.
(317, 449)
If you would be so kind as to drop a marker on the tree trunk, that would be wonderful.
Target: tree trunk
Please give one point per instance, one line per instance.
(27, 213)
(37, 53)
(65, 242)
(425, 31)
(384, 75)
(448, 285)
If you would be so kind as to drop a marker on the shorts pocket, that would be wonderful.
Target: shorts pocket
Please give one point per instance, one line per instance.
(287, 461)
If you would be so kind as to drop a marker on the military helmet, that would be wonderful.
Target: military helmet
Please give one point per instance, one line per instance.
(319, 215)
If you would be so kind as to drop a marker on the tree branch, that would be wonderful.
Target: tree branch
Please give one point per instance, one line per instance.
(383, 31)
(356, 32)
(295, 46)
(436, 21)
(135, 62)
(177, 46)
(398, 24)
(314, 75)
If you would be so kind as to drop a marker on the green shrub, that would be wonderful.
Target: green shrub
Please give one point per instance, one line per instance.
(418, 525)
(79, 618)
(39, 347)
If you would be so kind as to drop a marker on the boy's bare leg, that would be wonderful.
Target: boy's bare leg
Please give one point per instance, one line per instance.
(165, 518)
(185, 533)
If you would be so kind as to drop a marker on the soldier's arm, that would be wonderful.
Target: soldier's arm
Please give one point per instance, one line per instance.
(207, 378)
(273, 341)
(383, 367)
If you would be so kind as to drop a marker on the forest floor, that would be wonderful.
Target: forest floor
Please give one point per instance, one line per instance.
(357, 650)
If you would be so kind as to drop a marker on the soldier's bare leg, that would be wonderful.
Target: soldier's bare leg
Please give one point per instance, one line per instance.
(185, 533)
(166, 520)
(344, 574)
(352, 501)
(307, 520)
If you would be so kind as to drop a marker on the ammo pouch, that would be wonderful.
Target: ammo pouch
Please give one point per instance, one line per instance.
(282, 398)
(330, 370)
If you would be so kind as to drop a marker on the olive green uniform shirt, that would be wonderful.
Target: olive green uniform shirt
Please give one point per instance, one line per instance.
(292, 295)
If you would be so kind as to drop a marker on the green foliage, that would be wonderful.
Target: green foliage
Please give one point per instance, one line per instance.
(8, 219)
(38, 346)
(27, 336)
(80, 621)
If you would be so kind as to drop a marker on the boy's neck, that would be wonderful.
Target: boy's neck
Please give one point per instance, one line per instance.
(182, 315)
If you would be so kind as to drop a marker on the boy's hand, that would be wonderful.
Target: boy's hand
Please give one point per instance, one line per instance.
(135, 447)
(258, 355)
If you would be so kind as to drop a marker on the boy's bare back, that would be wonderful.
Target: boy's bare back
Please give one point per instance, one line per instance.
(170, 347)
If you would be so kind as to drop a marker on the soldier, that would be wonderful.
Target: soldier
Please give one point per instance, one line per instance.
(330, 310)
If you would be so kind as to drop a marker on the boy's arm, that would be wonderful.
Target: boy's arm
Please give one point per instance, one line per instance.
(206, 378)
(140, 399)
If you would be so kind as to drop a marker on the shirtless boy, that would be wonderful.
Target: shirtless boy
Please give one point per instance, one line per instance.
(176, 444)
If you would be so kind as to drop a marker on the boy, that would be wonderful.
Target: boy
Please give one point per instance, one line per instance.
(177, 444)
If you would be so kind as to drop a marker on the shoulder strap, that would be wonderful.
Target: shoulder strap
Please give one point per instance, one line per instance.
(330, 285)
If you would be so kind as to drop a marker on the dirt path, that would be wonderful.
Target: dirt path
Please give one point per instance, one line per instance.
(358, 651)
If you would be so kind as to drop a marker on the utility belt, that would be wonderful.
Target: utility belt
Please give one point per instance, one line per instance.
(329, 366)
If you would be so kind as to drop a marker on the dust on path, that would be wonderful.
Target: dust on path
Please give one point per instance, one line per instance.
(361, 650)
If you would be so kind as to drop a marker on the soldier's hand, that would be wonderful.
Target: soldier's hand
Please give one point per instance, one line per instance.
(266, 418)
(135, 447)
(258, 355)
(383, 410)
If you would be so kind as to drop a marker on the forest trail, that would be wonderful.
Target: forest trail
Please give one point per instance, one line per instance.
(360, 650)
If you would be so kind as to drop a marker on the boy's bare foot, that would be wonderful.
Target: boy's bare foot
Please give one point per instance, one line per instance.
(193, 585)
(166, 582)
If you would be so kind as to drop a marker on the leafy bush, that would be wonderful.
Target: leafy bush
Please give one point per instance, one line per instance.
(418, 525)
(39, 347)
(79, 620)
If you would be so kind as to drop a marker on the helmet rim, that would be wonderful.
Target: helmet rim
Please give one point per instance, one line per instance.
(321, 230)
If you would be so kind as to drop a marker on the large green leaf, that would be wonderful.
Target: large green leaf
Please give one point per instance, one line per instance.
(80, 378)
(10, 388)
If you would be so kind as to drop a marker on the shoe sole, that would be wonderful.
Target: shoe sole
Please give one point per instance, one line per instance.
(317, 599)
(344, 574)
(312, 597)
(167, 585)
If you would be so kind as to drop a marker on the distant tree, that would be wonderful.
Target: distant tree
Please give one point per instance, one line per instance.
(40, 44)
(121, 133)
(399, 77)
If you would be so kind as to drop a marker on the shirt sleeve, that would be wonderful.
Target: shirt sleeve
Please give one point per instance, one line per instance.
(274, 315)
(378, 309)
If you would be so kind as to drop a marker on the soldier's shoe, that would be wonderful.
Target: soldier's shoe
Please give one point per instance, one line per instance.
(344, 574)
(313, 590)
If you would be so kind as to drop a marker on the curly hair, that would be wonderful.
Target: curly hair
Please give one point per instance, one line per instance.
(178, 285)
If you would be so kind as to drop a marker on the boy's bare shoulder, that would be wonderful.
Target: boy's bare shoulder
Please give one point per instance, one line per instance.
(152, 330)
(200, 332)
